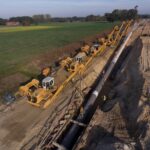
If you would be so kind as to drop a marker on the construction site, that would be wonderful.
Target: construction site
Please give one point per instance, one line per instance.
(98, 98)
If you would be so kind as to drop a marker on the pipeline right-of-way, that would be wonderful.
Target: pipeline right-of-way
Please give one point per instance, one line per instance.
(74, 131)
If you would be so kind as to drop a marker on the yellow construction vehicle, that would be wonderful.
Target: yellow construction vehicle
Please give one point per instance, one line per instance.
(51, 99)
(77, 61)
(102, 41)
(98, 47)
(65, 62)
(94, 49)
(126, 27)
(85, 48)
(111, 36)
(28, 88)
(42, 93)
(121, 32)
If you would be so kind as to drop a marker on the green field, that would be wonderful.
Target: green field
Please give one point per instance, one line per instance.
(19, 45)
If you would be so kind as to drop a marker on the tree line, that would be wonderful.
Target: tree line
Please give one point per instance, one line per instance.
(123, 14)
(115, 15)
(41, 18)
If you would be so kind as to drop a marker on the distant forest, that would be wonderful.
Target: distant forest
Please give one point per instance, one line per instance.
(115, 15)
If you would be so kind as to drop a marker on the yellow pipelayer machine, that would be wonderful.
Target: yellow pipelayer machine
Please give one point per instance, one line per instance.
(43, 93)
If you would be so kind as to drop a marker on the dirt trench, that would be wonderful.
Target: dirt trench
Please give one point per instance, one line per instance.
(126, 125)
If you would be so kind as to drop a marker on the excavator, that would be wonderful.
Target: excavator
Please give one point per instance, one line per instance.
(85, 48)
(71, 64)
(43, 92)
(33, 84)
(77, 61)
(98, 47)
(65, 62)
(28, 88)
(111, 36)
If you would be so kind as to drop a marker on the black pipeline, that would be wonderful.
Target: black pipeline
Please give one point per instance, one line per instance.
(76, 129)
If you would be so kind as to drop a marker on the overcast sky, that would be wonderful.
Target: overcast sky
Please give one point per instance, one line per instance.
(9, 8)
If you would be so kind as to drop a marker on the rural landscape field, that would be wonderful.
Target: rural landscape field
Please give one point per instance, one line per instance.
(74, 75)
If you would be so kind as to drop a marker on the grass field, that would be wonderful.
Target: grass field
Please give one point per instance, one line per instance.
(19, 45)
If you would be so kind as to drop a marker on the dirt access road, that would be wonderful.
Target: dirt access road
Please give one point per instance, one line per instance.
(127, 125)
